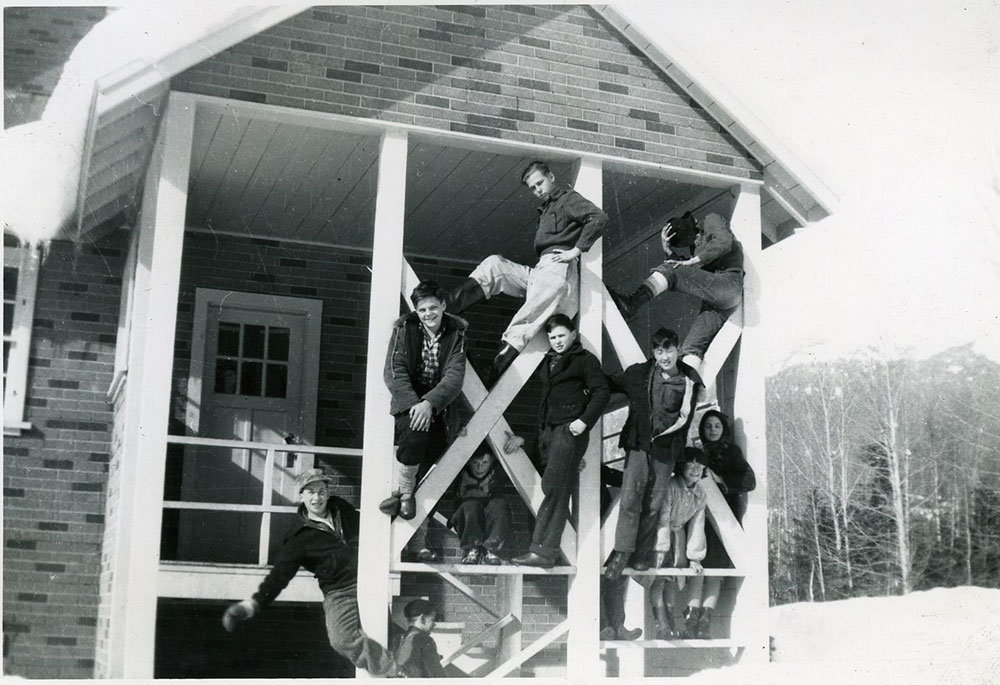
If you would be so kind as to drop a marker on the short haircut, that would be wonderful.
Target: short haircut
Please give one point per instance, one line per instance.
(534, 166)
(557, 320)
(426, 289)
(416, 608)
(663, 337)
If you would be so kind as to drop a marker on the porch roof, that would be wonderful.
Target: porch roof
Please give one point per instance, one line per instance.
(84, 161)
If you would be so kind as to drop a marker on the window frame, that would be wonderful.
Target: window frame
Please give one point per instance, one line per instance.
(26, 259)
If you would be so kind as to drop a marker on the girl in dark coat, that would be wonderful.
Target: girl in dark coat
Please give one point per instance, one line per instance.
(574, 394)
(735, 479)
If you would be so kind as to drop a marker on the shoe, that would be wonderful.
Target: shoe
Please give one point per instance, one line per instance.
(703, 631)
(407, 506)
(640, 562)
(615, 565)
(627, 634)
(533, 559)
(390, 505)
(505, 357)
(464, 296)
(665, 628)
(690, 366)
(472, 556)
(690, 629)
(608, 633)
(629, 306)
(491, 559)
(428, 556)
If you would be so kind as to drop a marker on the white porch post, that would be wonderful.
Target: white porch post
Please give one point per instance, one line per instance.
(137, 507)
(378, 460)
(583, 655)
(750, 612)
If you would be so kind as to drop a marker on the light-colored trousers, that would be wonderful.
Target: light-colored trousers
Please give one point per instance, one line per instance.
(550, 287)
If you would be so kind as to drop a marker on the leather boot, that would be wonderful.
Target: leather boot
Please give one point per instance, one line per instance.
(704, 624)
(664, 616)
(464, 296)
(505, 357)
(690, 629)
(615, 565)
(630, 305)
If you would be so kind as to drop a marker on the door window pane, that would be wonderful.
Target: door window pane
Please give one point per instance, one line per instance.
(251, 377)
(277, 344)
(277, 380)
(229, 339)
(225, 376)
(253, 342)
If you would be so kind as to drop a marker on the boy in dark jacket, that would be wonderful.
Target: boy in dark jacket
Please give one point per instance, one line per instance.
(574, 394)
(653, 439)
(714, 273)
(482, 516)
(568, 225)
(424, 371)
(418, 655)
(324, 541)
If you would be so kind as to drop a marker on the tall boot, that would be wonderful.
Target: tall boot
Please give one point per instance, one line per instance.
(704, 624)
(464, 296)
(630, 305)
(664, 616)
(690, 629)
(505, 357)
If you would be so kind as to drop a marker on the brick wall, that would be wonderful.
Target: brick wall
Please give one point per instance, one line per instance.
(37, 41)
(539, 74)
(55, 474)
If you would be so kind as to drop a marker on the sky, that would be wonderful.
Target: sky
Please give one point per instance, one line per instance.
(896, 105)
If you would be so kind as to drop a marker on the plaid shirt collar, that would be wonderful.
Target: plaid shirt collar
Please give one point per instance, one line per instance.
(429, 354)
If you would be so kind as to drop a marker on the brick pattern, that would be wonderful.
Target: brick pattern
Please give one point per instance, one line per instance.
(55, 475)
(556, 75)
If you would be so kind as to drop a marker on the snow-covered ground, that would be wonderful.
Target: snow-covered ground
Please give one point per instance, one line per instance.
(945, 635)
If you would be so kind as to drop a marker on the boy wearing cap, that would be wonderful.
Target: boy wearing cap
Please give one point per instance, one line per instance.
(324, 540)
(568, 225)
(417, 655)
(714, 274)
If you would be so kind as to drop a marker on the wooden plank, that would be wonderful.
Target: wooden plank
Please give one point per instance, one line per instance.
(538, 645)
(342, 185)
(218, 159)
(376, 469)
(247, 158)
(492, 630)
(480, 569)
(469, 592)
(510, 594)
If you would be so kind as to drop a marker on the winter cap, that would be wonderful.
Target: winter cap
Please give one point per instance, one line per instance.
(310, 476)
(417, 608)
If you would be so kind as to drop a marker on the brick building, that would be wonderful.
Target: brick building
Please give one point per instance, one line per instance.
(241, 192)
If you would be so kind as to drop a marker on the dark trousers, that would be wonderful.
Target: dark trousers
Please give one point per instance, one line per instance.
(419, 447)
(343, 627)
(643, 486)
(561, 452)
(612, 610)
(720, 293)
(483, 523)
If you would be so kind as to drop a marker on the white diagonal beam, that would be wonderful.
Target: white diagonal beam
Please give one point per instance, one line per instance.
(490, 631)
(532, 649)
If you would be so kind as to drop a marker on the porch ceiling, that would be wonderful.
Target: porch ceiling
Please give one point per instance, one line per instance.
(288, 181)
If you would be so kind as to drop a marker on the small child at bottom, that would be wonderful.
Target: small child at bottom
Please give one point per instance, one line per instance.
(417, 655)
(680, 539)
(482, 516)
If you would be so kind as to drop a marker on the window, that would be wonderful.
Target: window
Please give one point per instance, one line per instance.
(20, 276)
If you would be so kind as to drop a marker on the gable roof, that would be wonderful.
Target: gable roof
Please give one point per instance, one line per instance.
(89, 152)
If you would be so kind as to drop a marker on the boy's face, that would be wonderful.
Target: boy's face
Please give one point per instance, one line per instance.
(560, 339)
(713, 429)
(425, 622)
(692, 473)
(315, 496)
(480, 464)
(666, 358)
(430, 310)
(540, 184)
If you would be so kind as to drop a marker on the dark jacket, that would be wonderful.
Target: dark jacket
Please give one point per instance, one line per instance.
(637, 434)
(574, 389)
(417, 656)
(719, 250)
(566, 220)
(726, 459)
(332, 558)
(402, 368)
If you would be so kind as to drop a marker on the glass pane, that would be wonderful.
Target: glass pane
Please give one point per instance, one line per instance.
(230, 537)
(225, 376)
(277, 344)
(281, 525)
(6, 355)
(9, 283)
(277, 380)
(8, 317)
(253, 342)
(229, 339)
(251, 378)
(221, 475)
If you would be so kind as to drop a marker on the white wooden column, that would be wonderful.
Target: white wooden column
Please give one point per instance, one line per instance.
(750, 612)
(374, 585)
(145, 414)
(583, 655)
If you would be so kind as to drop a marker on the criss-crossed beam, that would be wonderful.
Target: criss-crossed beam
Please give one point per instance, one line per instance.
(490, 631)
(487, 421)
(531, 650)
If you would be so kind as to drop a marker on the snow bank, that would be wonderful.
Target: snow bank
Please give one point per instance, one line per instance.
(946, 635)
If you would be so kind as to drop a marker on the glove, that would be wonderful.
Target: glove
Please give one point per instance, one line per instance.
(239, 612)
